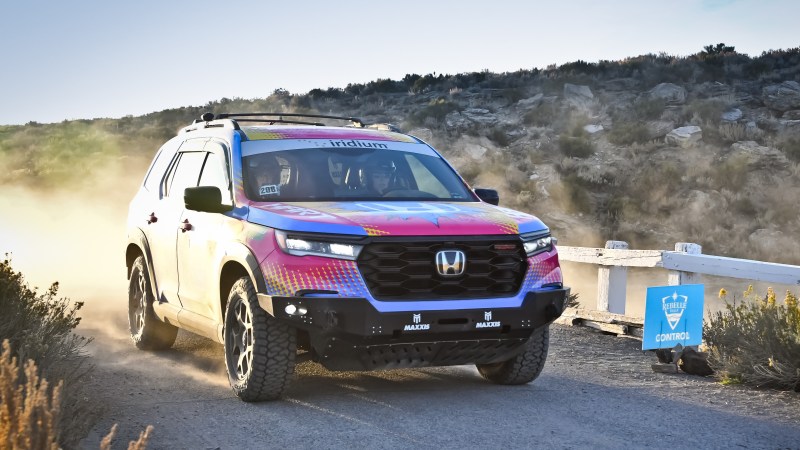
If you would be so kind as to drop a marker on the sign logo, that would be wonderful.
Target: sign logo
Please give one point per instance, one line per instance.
(417, 318)
(674, 305)
(487, 316)
(450, 262)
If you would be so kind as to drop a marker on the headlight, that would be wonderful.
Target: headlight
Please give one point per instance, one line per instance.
(535, 244)
(302, 247)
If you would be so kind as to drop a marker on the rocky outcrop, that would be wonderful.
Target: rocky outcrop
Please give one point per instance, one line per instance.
(671, 93)
(760, 157)
(791, 115)
(712, 89)
(577, 95)
(684, 136)
(470, 117)
(782, 97)
(532, 102)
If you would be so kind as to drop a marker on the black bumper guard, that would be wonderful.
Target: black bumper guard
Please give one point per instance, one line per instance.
(350, 334)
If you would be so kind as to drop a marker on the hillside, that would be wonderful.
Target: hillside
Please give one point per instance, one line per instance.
(652, 150)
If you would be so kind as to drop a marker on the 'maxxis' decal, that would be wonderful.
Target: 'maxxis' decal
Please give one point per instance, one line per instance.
(417, 325)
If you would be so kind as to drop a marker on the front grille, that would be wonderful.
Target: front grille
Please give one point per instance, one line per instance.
(403, 270)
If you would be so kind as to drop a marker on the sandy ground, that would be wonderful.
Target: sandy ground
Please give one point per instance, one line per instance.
(596, 391)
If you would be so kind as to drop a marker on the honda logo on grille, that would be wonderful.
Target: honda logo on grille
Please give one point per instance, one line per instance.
(450, 262)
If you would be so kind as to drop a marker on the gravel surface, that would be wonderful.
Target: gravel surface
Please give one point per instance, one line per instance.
(596, 391)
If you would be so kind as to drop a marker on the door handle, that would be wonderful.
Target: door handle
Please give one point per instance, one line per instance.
(186, 226)
(152, 218)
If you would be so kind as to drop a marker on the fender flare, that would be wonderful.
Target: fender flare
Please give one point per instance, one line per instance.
(137, 238)
(240, 253)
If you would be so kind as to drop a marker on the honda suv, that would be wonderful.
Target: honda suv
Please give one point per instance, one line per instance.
(358, 246)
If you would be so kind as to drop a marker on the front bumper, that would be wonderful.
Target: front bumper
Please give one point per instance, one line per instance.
(350, 334)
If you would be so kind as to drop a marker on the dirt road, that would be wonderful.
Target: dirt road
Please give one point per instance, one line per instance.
(597, 391)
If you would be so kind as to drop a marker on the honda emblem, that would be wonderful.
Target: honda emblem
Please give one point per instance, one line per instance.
(450, 262)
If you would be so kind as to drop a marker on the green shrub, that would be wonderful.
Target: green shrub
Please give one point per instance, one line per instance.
(629, 133)
(756, 341)
(541, 116)
(576, 147)
(499, 137)
(648, 108)
(731, 174)
(706, 111)
(436, 110)
(791, 147)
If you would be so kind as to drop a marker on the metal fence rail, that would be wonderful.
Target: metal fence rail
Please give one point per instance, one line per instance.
(685, 265)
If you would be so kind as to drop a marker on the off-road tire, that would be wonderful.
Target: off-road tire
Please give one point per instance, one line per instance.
(259, 351)
(523, 368)
(147, 331)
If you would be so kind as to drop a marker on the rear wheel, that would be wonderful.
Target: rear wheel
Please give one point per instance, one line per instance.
(523, 368)
(147, 331)
(259, 351)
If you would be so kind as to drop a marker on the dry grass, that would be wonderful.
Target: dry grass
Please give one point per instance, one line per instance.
(29, 409)
(139, 444)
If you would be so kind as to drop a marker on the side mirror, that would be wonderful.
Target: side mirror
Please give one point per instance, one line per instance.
(488, 195)
(204, 199)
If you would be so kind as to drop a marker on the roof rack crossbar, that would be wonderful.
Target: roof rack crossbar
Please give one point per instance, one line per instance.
(271, 121)
(355, 120)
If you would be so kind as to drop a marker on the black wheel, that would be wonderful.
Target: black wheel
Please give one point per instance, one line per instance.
(147, 331)
(259, 351)
(523, 368)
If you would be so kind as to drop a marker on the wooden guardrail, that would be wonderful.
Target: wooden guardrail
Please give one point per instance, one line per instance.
(685, 265)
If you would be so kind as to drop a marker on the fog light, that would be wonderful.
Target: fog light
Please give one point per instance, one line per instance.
(290, 309)
(302, 311)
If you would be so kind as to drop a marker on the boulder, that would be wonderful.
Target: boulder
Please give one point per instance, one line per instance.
(732, 115)
(782, 97)
(760, 157)
(593, 129)
(671, 93)
(684, 136)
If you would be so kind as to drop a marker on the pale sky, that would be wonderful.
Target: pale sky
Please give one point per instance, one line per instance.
(88, 59)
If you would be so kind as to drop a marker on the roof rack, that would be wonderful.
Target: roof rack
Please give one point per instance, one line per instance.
(273, 121)
(280, 117)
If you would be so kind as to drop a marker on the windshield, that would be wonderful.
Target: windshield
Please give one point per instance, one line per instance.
(334, 174)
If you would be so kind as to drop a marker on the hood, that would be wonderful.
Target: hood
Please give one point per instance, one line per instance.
(394, 218)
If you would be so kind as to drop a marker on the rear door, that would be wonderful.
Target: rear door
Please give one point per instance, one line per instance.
(183, 172)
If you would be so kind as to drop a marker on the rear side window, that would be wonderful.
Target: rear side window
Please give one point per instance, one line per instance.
(186, 173)
(159, 166)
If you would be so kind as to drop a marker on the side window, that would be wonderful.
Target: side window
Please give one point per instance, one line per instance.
(214, 174)
(186, 173)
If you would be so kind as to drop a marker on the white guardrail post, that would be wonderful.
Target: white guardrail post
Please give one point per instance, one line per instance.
(678, 277)
(611, 283)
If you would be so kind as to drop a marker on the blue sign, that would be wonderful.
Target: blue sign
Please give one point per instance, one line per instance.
(673, 315)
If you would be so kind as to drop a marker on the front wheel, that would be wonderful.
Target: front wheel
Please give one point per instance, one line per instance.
(147, 331)
(523, 368)
(259, 351)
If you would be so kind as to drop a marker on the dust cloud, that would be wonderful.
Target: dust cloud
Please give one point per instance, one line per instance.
(74, 235)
